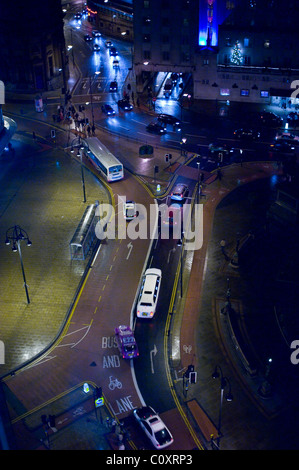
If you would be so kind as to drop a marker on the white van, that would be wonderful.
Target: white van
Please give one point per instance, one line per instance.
(149, 293)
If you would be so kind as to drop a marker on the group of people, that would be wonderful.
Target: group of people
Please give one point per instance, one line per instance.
(71, 115)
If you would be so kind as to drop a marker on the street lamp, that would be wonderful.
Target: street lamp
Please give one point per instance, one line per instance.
(15, 235)
(184, 140)
(229, 397)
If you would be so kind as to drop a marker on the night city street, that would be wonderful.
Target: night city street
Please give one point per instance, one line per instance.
(149, 185)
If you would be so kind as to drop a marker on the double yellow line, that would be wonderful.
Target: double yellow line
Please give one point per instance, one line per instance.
(168, 374)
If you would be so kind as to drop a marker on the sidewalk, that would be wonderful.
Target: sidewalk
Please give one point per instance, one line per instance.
(203, 350)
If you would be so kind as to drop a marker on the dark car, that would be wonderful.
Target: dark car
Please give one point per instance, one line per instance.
(174, 77)
(156, 128)
(283, 147)
(270, 119)
(125, 105)
(96, 48)
(113, 86)
(113, 51)
(87, 38)
(77, 16)
(108, 43)
(247, 134)
(168, 119)
(107, 109)
(96, 34)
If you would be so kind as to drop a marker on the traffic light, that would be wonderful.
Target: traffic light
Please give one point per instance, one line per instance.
(166, 157)
(52, 421)
(44, 419)
(193, 377)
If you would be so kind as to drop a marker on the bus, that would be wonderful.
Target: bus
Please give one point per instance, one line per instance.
(104, 161)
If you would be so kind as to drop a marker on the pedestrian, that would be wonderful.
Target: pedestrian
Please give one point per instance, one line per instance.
(219, 174)
(54, 117)
(202, 177)
(88, 131)
(33, 136)
(93, 129)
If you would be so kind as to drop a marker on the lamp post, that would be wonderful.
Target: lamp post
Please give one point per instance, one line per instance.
(15, 235)
(184, 140)
(198, 186)
(79, 155)
(181, 244)
(223, 383)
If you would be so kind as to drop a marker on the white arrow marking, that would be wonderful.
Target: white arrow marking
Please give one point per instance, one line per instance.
(169, 254)
(151, 355)
(62, 421)
(130, 246)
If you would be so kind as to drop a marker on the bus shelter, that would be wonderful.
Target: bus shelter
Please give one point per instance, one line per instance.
(84, 237)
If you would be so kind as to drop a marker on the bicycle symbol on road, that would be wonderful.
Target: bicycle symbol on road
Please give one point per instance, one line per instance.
(187, 349)
(114, 383)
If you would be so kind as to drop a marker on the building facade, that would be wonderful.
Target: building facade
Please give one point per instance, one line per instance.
(114, 19)
(32, 47)
(255, 59)
(165, 37)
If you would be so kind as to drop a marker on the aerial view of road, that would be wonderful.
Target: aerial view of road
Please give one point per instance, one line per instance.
(96, 189)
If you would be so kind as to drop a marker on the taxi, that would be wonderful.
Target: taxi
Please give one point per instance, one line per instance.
(126, 342)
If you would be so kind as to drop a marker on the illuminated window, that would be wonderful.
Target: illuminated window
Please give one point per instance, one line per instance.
(264, 94)
(244, 92)
(224, 91)
(246, 42)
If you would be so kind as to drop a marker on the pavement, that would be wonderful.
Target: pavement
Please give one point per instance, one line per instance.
(198, 332)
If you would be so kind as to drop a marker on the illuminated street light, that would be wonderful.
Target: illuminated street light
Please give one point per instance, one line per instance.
(15, 235)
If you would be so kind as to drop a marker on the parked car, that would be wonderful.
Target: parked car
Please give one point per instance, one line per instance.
(113, 86)
(126, 342)
(96, 34)
(87, 38)
(113, 51)
(129, 210)
(107, 109)
(96, 48)
(153, 426)
(179, 192)
(125, 104)
(247, 134)
(156, 128)
(168, 119)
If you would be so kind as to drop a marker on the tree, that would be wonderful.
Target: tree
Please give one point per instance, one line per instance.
(237, 57)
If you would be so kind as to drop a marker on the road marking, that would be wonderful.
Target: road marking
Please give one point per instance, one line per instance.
(130, 247)
(153, 352)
